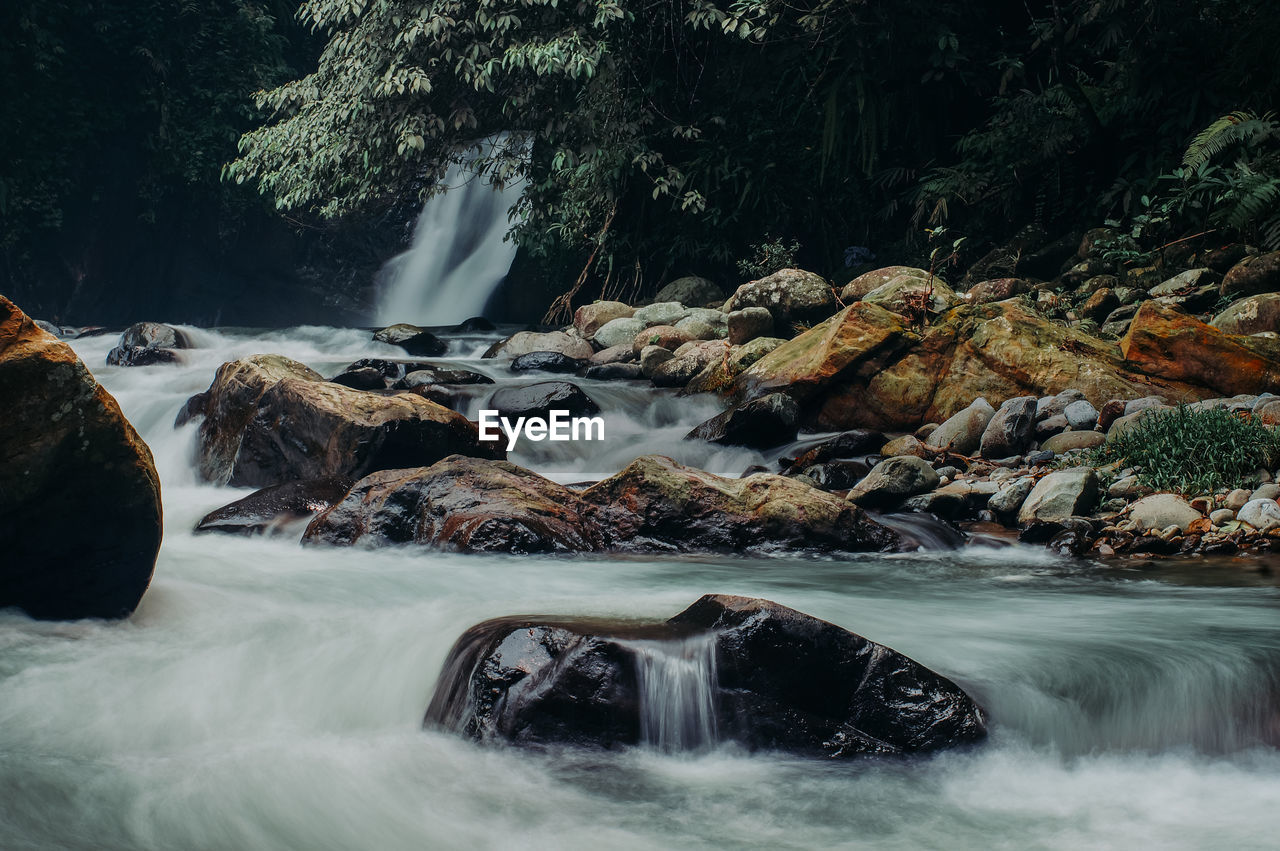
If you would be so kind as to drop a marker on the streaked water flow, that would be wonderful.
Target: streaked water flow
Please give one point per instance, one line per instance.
(677, 684)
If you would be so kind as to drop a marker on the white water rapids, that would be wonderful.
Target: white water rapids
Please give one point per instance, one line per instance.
(266, 696)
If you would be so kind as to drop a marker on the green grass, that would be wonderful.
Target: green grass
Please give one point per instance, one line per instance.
(1192, 452)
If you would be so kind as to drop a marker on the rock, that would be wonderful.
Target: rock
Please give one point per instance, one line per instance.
(1146, 403)
(1221, 516)
(1250, 315)
(791, 296)
(1060, 495)
(154, 335)
(1176, 346)
(192, 408)
(619, 332)
(614, 354)
(1186, 282)
(694, 328)
(689, 361)
(426, 375)
(909, 444)
(777, 680)
(1099, 306)
(760, 423)
(1162, 510)
(869, 281)
(473, 325)
(997, 290)
(1069, 441)
(526, 342)
(1081, 415)
(48, 328)
(1009, 431)
(1261, 514)
(1056, 405)
(615, 372)
(661, 313)
(652, 357)
(364, 378)
(1266, 491)
(1050, 426)
(277, 508)
(80, 514)
(902, 293)
(962, 433)
(691, 290)
(414, 340)
(1253, 276)
(1009, 498)
(538, 400)
(742, 357)
(748, 324)
(590, 318)
(893, 480)
(140, 356)
(391, 369)
(1237, 499)
(836, 475)
(850, 444)
(1128, 421)
(547, 362)
(666, 336)
(459, 503)
(656, 504)
(1039, 457)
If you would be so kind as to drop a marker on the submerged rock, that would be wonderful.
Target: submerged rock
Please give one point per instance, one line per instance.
(753, 672)
(80, 514)
(277, 507)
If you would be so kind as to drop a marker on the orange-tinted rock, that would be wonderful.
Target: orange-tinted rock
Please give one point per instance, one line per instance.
(876, 278)
(998, 289)
(1166, 342)
(80, 515)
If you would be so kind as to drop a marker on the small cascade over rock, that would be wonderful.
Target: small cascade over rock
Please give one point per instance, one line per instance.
(676, 681)
(459, 254)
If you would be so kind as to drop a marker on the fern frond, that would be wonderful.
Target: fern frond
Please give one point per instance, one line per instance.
(1239, 127)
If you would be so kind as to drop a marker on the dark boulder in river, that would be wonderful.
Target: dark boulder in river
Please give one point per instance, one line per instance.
(270, 420)
(277, 508)
(79, 495)
(727, 669)
(148, 344)
(654, 505)
(539, 400)
(416, 341)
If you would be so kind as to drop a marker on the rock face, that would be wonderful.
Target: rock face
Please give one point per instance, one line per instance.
(791, 296)
(766, 676)
(270, 420)
(276, 508)
(1166, 342)
(80, 515)
(654, 505)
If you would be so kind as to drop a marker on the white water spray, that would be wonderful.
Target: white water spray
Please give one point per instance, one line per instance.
(459, 254)
(677, 683)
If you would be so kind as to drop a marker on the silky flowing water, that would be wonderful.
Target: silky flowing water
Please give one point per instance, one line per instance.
(269, 696)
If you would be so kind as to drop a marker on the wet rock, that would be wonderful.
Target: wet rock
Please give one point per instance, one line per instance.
(1253, 276)
(618, 332)
(154, 335)
(473, 325)
(80, 514)
(759, 423)
(140, 356)
(1009, 431)
(526, 342)
(748, 324)
(1059, 495)
(656, 504)
(1173, 345)
(615, 372)
(1262, 514)
(538, 400)
(963, 432)
(790, 296)
(666, 336)
(48, 328)
(1251, 315)
(1162, 510)
(428, 375)
(388, 368)
(192, 408)
(416, 341)
(364, 378)
(277, 508)
(547, 362)
(1081, 415)
(652, 357)
(459, 503)
(689, 361)
(849, 444)
(614, 354)
(1009, 498)
(893, 480)
(837, 475)
(691, 290)
(590, 318)
(777, 680)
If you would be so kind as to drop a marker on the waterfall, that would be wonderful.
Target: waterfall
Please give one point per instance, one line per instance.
(458, 257)
(677, 684)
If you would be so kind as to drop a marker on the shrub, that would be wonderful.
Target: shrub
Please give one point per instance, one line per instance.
(1193, 451)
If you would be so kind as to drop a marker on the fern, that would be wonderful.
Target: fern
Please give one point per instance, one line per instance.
(1235, 128)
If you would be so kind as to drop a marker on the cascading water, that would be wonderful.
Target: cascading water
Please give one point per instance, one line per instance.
(459, 255)
(677, 686)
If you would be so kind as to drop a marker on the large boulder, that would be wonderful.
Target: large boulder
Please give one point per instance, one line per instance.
(418, 342)
(905, 295)
(459, 503)
(617, 332)
(655, 504)
(590, 318)
(279, 508)
(1162, 510)
(867, 282)
(270, 420)
(80, 513)
(1250, 315)
(526, 342)
(791, 296)
(1253, 275)
(691, 290)
(1060, 495)
(752, 672)
(963, 431)
(760, 423)
(547, 362)
(749, 323)
(1010, 429)
(539, 400)
(1171, 344)
(893, 480)
(147, 344)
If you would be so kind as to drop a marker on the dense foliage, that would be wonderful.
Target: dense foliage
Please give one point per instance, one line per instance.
(681, 133)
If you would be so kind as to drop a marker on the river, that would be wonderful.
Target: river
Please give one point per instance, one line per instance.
(267, 696)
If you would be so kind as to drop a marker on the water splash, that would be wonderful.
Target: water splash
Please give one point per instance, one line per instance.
(677, 685)
(459, 255)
